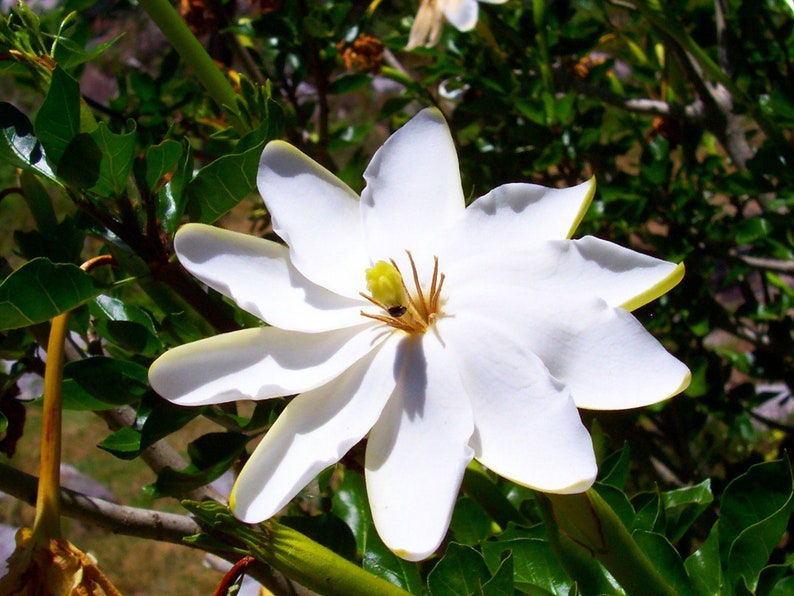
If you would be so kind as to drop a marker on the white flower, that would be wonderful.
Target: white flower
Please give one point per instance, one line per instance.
(503, 327)
(426, 29)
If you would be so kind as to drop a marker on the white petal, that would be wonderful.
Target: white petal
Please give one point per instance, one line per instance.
(586, 267)
(258, 276)
(461, 13)
(418, 450)
(517, 217)
(317, 215)
(258, 364)
(315, 430)
(605, 357)
(426, 28)
(527, 427)
(493, 1)
(413, 190)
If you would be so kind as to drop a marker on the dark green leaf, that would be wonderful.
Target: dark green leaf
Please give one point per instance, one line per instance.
(683, 506)
(117, 159)
(40, 290)
(127, 326)
(535, 566)
(461, 572)
(38, 201)
(704, 568)
(172, 196)
(160, 160)
(58, 120)
(615, 468)
(222, 184)
(18, 146)
(101, 383)
(755, 509)
(348, 83)
(470, 524)
(124, 443)
(81, 162)
(666, 560)
(501, 583)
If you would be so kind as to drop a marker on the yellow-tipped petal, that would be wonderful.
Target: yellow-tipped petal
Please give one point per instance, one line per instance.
(583, 208)
(656, 290)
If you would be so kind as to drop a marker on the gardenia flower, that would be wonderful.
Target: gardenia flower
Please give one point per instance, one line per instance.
(443, 333)
(426, 29)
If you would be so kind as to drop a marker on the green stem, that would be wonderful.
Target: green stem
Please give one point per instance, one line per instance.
(587, 520)
(47, 523)
(193, 53)
(318, 568)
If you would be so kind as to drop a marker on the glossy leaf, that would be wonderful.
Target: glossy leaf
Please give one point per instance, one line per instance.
(683, 506)
(18, 145)
(161, 160)
(40, 290)
(101, 383)
(704, 567)
(58, 119)
(461, 572)
(325, 529)
(220, 185)
(755, 510)
(127, 326)
(666, 559)
(171, 197)
(470, 524)
(535, 565)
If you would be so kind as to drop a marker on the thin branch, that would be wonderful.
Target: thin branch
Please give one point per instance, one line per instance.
(692, 112)
(140, 523)
(777, 265)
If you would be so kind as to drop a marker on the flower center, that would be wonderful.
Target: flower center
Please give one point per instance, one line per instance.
(412, 312)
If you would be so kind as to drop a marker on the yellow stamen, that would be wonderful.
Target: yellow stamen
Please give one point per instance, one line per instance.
(415, 311)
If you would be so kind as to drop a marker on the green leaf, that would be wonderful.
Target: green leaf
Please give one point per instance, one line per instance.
(117, 159)
(470, 525)
(58, 119)
(666, 559)
(129, 327)
(172, 196)
(160, 160)
(461, 572)
(755, 509)
(38, 201)
(220, 185)
(683, 506)
(100, 161)
(124, 443)
(535, 565)
(347, 83)
(501, 583)
(40, 290)
(704, 568)
(101, 383)
(615, 469)
(18, 145)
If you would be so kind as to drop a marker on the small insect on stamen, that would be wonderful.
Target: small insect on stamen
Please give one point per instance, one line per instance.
(397, 311)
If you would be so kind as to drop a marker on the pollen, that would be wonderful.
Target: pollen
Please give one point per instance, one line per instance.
(411, 310)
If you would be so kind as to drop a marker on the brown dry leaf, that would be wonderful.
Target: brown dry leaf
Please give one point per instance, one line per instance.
(53, 568)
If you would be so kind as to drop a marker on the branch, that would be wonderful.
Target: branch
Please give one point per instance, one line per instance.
(692, 112)
(777, 265)
(140, 523)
